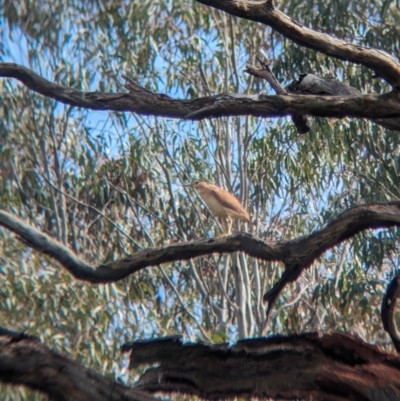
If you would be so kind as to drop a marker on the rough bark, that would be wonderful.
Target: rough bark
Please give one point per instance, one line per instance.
(383, 64)
(297, 254)
(24, 360)
(388, 309)
(141, 101)
(329, 367)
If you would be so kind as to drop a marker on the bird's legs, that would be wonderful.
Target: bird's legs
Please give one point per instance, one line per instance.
(230, 226)
(225, 226)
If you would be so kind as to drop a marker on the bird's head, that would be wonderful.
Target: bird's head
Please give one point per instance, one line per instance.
(197, 184)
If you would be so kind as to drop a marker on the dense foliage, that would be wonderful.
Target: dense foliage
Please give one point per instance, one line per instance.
(108, 184)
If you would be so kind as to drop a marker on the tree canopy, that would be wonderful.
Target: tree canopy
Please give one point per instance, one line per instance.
(108, 108)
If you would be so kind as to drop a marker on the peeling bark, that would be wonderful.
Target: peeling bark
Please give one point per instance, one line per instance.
(329, 367)
(24, 360)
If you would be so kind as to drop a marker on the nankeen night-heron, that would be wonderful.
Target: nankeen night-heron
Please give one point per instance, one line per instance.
(221, 203)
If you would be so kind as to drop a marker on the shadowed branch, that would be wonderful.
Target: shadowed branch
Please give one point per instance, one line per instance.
(24, 360)
(388, 309)
(332, 367)
(302, 122)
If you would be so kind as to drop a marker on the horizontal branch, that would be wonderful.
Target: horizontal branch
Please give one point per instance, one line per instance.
(26, 361)
(297, 254)
(141, 101)
(332, 367)
(265, 12)
(120, 269)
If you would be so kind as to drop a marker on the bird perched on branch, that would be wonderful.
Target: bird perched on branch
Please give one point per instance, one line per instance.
(221, 203)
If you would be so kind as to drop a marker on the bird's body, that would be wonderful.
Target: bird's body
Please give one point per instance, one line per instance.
(221, 203)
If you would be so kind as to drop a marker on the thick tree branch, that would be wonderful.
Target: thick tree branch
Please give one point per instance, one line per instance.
(297, 254)
(26, 361)
(144, 102)
(15, 335)
(310, 84)
(379, 61)
(389, 304)
(115, 271)
(44, 244)
(333, 367)
(345, 226)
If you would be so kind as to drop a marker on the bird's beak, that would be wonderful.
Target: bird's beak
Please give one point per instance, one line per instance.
(187, 185)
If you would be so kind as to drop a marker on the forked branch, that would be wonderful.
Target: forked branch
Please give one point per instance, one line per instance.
(297, 255)
(302, 122)
(383, 64)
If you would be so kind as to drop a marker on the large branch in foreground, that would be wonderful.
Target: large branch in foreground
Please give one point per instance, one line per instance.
(331, 367)
(265, 12)
(144, 102)
(388, 310)
(26, 361)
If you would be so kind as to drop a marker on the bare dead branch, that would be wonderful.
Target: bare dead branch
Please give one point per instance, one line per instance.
(331, 367)
(44, 244)
(117, 270)
(26, 361)
(388, 308)
(384, 65)
(302, 122)
(264, 72)
(144, 102)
